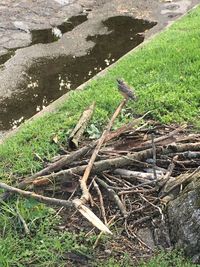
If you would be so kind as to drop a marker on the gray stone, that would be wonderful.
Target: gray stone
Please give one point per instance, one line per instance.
(145, 234)
(184, 221)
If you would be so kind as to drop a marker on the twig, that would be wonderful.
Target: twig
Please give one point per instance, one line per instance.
(103, 212)
(168, 174)
(26, 229)
(137, 191)
(83, 182)
(183, 178)
(47, 200)
(158, 140)
(141, 220)
(114, 196)
(127, 127)
(154, 157)
(78, 131)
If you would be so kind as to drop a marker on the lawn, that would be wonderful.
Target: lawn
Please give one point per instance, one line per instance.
(165, 75)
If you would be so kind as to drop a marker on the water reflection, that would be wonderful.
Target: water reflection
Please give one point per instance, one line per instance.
(49, 79)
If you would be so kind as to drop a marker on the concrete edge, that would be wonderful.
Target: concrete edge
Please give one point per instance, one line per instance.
(53, 107)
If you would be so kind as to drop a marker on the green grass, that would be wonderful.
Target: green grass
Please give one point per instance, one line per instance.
(165, 74)
(169, 259)
(45, 245)
(162, 259)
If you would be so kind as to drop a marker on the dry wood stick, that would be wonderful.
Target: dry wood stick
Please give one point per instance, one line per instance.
(83, 182)
(157, 140)
(103, 212)
(27, 194)
(125, 128)
(78, 131)
(65, 160)
(154, 156)
(26, 229)
(132, 235)
(102, 165)
(181, 179)
(76, 203)
(99, 236)
(115, 197)
(168, 174)
(68, 159)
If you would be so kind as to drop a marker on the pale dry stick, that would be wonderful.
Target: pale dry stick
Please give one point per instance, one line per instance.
(127, 127)
(168, 174)
(173, 183)
(27, 194)
(132, 187)
(154, 157)
(109, 178)
(83, 182)
(76, 203)
(103, 212)
(26, 229)
(80, 127)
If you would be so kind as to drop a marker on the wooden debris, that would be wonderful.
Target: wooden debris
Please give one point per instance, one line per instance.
(132, 184)
(78, 131)
(83, 182)
(86, 212)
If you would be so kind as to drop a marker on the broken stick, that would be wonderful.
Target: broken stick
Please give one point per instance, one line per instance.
(83, 182)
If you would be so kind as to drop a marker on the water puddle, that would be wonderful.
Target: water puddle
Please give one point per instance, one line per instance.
(53, 34)
(49, 79)
(5, 57)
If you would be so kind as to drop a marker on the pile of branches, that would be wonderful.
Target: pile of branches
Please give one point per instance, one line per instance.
(130, 173)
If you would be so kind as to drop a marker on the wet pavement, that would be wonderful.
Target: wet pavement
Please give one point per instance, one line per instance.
(62, 33)
(49, 79)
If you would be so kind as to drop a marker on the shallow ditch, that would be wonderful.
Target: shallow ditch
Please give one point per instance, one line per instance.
(48, 79)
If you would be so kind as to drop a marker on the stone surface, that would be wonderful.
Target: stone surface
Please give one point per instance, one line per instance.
(17, 18)
(184, 221)
(145, 234)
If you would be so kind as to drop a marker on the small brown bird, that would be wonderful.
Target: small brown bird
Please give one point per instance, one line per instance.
(125, 90)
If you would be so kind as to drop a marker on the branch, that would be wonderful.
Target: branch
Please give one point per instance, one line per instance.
(83, 182)
(86, 212)
(78, 131)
